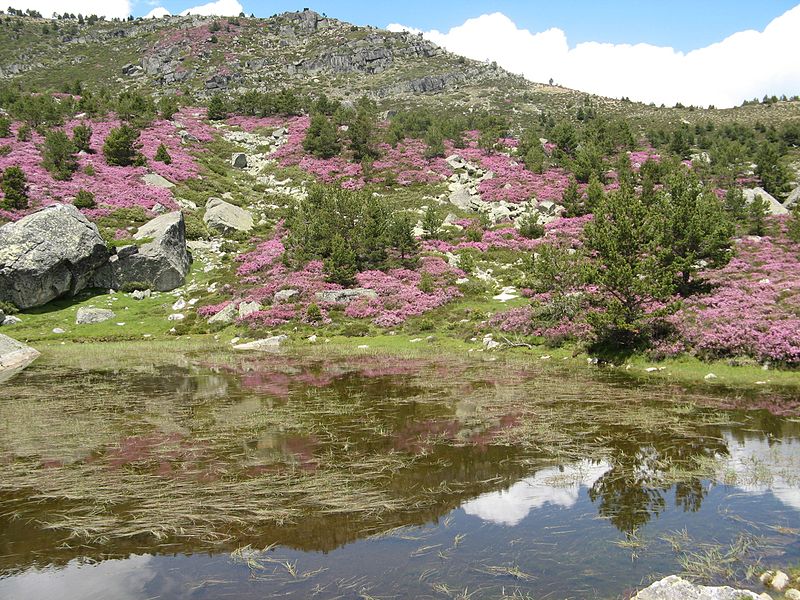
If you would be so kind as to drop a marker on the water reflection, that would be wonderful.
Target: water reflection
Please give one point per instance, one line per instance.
(316, 456)
(557, 486)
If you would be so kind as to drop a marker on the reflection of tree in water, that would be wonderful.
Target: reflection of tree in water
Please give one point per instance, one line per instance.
(632, 491)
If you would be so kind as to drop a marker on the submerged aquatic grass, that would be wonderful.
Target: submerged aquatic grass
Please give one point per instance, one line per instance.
(194, 445)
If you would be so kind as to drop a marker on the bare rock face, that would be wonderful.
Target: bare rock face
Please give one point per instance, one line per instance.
(14, 356)
(51, 253)
(160, 263)
(675, 588)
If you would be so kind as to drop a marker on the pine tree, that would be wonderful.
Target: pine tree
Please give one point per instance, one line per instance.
(769, 168)
(431, 222)
(58, 155)
(434, 142)
(82, 138)
(119, 147)
(757, 213)
(15, 188)
(162, 154)
(340, 266)
(322, 139)
(5, 127)
(571, 200)
(217, 110)
(401, 236)
(595, 193)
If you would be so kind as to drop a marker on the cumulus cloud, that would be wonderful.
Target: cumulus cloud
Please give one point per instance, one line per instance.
(222, 8)
(745, 65)
(106, 8)
(157, 13)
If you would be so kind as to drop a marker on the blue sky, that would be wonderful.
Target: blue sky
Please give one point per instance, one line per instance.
(681, 24)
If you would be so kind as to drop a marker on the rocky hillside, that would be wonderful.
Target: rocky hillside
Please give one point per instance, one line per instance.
(403, 191)
(304, 51)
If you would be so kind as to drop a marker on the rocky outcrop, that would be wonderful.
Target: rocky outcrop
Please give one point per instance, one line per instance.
(51, 253)
(223, 217)
(14, 356)
(160, 263)
(675, 588)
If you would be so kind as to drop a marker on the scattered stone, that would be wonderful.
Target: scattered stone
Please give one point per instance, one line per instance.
(11, 320)
(489, 343)
(223, 216)
(283, 296)
(51, 253)
(141, 294)
(345, 296)
(269, 344)
(506, 294)
(312, 338)
(239, 160)
(180, 304)
(226, 315)
(161, 262)
(363, 347)
(176, 317)
(779, 582)
(58, 330)
(675, 588)
(89, 316)
(415, 340)
(248, 308)
(792, 594)
(14, 356)
(710, 376)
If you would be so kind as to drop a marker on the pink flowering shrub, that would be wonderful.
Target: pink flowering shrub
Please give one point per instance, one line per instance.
(754, 307)
(113, 187)
(400, 295)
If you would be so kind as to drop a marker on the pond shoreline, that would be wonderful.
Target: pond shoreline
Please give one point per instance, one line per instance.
(721, 376)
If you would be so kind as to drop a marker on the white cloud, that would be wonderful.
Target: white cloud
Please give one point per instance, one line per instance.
(222, 8)
(157, 13)
(745, 65)
(106, 8)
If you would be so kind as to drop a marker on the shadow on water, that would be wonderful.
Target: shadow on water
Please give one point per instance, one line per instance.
(559, 482)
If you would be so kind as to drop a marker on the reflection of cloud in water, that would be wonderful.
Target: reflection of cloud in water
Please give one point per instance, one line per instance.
(119, 579)
(559, 486)
(756, 467)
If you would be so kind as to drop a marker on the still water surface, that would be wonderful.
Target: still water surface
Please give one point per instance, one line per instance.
(374, 478)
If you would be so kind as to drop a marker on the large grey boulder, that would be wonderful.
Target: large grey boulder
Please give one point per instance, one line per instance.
(775, 207)
(223, 216)
(14, 356)
(156, 180)
(89, 316)
(160, 263)
(239, 160)
(675, 588)
(345, 296)
(53, 252)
